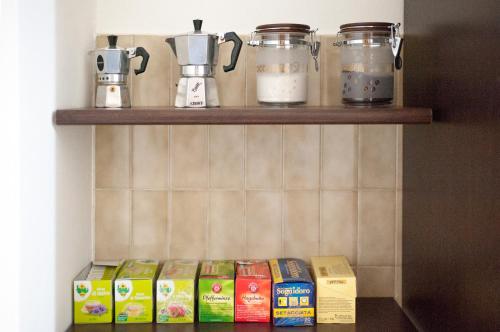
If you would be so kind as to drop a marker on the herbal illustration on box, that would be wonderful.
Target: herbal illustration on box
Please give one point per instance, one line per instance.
(134, 292)
(175, 301)
(92, 295)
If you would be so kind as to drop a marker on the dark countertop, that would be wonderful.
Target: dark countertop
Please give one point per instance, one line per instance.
(373, 314)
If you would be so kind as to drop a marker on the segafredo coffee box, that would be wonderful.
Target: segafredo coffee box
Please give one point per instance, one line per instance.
(216, 291)
(175, 292)
(293, 293)
(93, 293)
(134, 288)
(253, 291)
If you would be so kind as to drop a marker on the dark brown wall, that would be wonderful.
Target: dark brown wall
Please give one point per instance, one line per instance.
(451, 207)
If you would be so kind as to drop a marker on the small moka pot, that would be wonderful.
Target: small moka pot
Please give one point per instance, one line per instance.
(112, 68)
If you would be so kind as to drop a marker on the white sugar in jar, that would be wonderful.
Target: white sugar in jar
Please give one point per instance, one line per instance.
(282, 60)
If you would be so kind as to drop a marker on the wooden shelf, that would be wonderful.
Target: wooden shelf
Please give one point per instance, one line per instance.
(245, 115)
(373, 314)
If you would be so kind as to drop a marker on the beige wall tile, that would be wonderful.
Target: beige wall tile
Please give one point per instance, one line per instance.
(147, 252)
(339, 224)
(302, 155)
(399, 228)
(251, 76)
(188, 233)
(398, 277)
(375, 281)
(112, 224)
(227, 152)
(226, 225)
(330, 72)
(150, 157)
(376, 228)
(112, 153)
(339, 168)
(264, 157)
(377, 156)
(263, 224)
(152, 88)
(231, 85)
(302, 224)
(149, 223)
(399, 157)
(190, 156)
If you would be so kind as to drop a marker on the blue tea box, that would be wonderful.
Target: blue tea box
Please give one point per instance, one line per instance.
(293, 293)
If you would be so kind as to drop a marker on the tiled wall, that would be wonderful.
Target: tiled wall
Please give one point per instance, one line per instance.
(249, 191)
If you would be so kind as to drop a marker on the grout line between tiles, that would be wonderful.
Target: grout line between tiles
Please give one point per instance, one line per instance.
(130, 190)
(358, 158)
(181, 189)
(396, 210)
(245, 213)
(320, 177)
(396, 232)
(169, 194)
(356, 205)
(92, 215)
(283, 193)
(207, 230)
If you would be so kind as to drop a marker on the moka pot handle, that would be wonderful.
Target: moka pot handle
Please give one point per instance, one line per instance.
(235, 53)
(141, 51)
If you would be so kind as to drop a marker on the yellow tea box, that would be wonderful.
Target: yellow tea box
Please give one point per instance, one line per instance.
(335, 290)
(175, 292)
(134, 286)
(93, 293)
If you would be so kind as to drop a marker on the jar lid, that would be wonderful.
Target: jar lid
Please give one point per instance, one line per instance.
(366, 26)
(283, 27)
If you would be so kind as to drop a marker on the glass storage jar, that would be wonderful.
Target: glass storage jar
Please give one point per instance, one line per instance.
(369, 53)
(282, 59)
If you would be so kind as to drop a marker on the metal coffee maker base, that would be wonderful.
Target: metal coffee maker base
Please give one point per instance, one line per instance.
(197, 92)
(112, 96)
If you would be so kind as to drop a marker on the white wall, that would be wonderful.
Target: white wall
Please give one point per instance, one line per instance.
(75, 36)
(166, 17)
(9, 166)
(37, 161)
(46, 171)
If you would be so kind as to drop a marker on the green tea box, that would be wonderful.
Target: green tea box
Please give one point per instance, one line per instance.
(175, 292)
(93, 293)
(216, 291)
(134, 288)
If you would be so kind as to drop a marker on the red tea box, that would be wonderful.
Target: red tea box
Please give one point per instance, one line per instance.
(253, 291)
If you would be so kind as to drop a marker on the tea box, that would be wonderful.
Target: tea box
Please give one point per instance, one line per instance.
(335, 290)
(293, 293)
(216, 291)
(253, 292)
(93, 293)
(134, 291)
(175, 292)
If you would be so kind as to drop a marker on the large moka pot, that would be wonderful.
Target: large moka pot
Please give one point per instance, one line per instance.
(197, 53)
